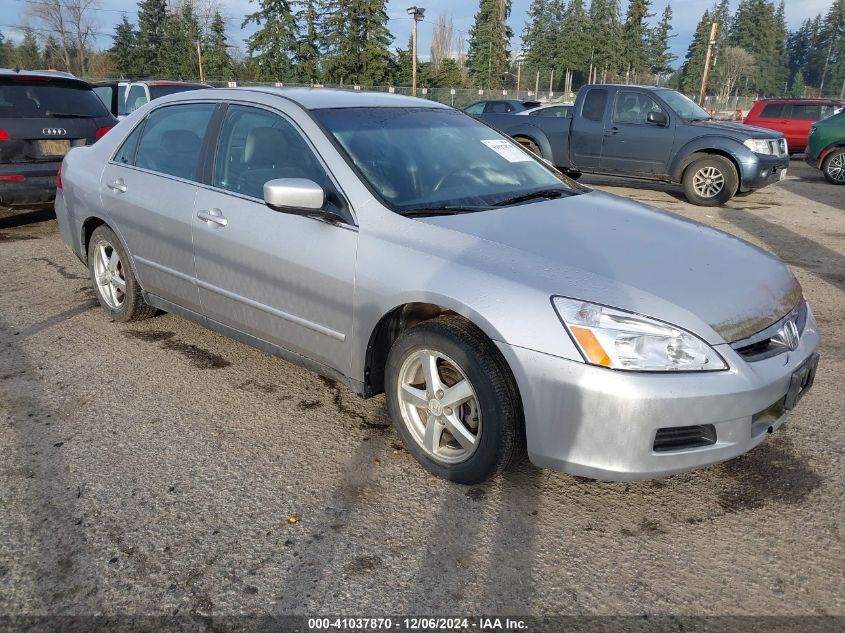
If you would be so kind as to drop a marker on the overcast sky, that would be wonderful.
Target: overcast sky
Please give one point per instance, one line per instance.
(687, 13)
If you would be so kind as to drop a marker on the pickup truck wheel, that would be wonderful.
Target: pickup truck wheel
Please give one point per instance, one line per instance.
(530, 145)
(114, 280)
(453, 401)
(710, 181)
(834, 167)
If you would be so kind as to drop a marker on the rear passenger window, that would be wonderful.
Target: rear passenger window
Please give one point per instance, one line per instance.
(773, 111)
(807, 111)
(594, 104)
(172, 139)
(256, 146)
(126, 153)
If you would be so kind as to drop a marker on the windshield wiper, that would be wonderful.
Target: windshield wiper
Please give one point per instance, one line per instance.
(68, 115)
(548, 194)
(443, 210)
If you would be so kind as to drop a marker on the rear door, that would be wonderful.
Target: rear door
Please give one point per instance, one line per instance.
(282, 278)
(632, 145)
(42, 118)
(149, 188)
(587, 130)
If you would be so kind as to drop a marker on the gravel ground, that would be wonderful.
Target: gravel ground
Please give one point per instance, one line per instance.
(155, 468)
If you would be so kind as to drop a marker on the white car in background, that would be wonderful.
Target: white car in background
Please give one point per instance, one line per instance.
(550, 109)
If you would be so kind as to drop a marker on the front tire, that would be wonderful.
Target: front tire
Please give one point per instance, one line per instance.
(833, 167)
(530, 145)
(454, 401)
(710, 181)
(114, 279)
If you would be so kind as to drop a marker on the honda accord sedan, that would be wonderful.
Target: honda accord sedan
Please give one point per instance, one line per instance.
(405, 248)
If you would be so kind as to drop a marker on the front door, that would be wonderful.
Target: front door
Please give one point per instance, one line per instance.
(632, 145)
(283, 278)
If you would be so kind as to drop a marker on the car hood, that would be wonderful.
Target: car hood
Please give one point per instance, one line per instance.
(606, 249)
(738, 130)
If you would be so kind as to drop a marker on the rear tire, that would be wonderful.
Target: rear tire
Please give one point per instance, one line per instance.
(454, 401)
(117, 289)
(833, 167)
(710, 181)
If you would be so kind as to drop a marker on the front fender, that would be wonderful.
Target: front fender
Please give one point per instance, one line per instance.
(745, 160)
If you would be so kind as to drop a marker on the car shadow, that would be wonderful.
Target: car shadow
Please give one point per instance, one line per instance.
(12, 218)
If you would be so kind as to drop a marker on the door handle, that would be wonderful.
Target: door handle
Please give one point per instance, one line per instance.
(117, 185)
(213, 216)
(612, 131)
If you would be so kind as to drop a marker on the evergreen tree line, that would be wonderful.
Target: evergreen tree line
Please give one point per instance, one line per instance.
(756, 54)
(596, 42)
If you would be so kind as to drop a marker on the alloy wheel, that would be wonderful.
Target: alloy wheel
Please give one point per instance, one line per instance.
(109, 275)
(836, 167)
(439, 406)
(708, 182)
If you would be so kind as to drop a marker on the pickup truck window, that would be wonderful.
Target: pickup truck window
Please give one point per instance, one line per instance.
(633, 107)
(683, 106)
(594, 104)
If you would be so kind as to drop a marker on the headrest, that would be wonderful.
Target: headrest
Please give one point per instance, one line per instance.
(264, 146)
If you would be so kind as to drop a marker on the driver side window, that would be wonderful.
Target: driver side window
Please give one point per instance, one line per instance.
(633, 107)
(256, 146)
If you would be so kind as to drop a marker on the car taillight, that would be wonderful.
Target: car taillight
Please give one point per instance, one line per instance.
(101, 132)
(59, 175)
(12, 177)
(3, 135)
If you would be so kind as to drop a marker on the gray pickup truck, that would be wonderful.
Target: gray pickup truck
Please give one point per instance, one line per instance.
(656, 134)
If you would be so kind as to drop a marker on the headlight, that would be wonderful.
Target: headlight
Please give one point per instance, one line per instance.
(758, 147)
(623, 340)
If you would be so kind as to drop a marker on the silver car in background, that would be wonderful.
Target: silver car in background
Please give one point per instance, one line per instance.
(400, 246)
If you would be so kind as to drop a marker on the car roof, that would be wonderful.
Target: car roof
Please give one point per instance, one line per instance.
(317, 98)
(799, 100)
(45, 74)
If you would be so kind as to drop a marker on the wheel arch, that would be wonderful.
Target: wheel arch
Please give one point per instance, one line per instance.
(86, 230)
(702, 153)
(399, 318)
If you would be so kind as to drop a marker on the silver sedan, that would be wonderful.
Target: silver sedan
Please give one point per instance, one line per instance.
(405, 248)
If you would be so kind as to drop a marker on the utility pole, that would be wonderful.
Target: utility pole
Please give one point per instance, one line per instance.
(199, 61)
(417, 14)
(537, 86)
(706, 76)
(518, 77)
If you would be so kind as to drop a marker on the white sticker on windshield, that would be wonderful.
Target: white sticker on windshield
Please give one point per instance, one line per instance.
(508, 151)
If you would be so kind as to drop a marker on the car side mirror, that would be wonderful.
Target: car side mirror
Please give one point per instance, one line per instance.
(657, 118)
(299, 196)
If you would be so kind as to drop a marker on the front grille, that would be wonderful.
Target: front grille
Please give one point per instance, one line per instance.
(778, 147)
(765, 343)
(679, 438)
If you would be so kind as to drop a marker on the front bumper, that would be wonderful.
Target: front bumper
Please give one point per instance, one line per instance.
(813, 161)
(766, 170)
(600, 423)
(36, 184)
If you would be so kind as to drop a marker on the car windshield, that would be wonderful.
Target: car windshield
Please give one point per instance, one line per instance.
(420, 159)
(162, 91)
(683, 106)
(49, 98)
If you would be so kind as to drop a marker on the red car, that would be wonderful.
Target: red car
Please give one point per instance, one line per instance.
(793, 117)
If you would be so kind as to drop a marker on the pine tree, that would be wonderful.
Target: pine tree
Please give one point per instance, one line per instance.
(574, 48)
(448, 74)
(274, 44)
(489, 39)
(5, 52)
(755, 28)
(832, 41)
(375, 40)
(660, 55)
(178, 59)
(798, 85)
(340, 29)
(606, 33)
(216, 60)
(798, 48)
(27, 54)
(308, 43)
(403, 61)
(124, 48)
(538, 36)
(152, 24)
(52, 53)
(816, 55)
(635, 39)
(693, 68)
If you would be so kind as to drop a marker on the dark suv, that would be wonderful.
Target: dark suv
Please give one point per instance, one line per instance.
(43, 114)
